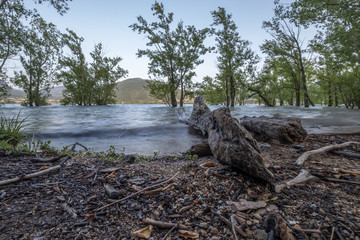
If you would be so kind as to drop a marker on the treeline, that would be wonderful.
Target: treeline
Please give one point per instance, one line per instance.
(40, 47)
(323, 70)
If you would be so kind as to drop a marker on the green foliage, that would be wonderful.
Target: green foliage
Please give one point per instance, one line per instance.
(236, 60)
(11, 129)
(16, 36)
(85, 83)
(39, 59)
(173, 54)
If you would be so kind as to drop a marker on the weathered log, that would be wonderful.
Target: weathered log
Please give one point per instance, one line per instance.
(201, 150)
(285, 130)
(229, 141)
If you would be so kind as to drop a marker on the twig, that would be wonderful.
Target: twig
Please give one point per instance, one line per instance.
(302, 177)
(136, 193)
(233, 225)
(165, 225)
(332, 233)
(227, 222)
(36, 174)
(171, 230)
(74, 146)
(342, 181)
(40, 160)
(300, 161)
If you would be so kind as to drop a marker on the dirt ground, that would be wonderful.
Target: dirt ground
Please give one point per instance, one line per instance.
(68, 203)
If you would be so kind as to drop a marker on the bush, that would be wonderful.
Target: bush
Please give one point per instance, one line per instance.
(11, 129)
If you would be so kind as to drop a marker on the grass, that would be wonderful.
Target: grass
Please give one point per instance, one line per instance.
(12, 129)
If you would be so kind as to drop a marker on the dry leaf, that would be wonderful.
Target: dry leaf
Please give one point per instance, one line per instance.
(111, 175)
(44, 167)
(209, 164)
(89, 216)
(57, 189)
(144, 233)
(189, 234)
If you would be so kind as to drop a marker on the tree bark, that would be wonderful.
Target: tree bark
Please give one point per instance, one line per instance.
(285, 130)
(229, 141)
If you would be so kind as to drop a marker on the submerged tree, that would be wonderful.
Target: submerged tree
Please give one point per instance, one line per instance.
(235, 54)
(173, 54)
(104, 72)
(87, 84)
(40, 62)
(14, 18)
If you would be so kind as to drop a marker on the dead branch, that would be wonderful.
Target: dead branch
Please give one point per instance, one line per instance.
(345, 154)
(36, 174)
(54, 159)
(300, 161)
(166, 225)
(136, 193)
(302, 177)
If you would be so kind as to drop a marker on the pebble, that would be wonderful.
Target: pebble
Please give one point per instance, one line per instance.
(260, 235)
(257, 216)
(313, 206)
(249, 233)
(214, 231)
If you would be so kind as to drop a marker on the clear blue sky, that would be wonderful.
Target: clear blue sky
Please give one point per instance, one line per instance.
(108, 21)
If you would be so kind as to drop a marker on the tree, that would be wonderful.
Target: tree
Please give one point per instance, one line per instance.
(13, 21)
(212, 90)
(74, 74)
(235, 54)
(286, 44)
(39, 59)
(173, 54)
(339, 22)
(86, 84)
(105, 72)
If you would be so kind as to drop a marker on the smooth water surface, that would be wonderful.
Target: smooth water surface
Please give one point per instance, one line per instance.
(150, 128)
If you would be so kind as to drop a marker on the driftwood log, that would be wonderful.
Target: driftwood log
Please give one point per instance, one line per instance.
(285, 130)
(229, 141)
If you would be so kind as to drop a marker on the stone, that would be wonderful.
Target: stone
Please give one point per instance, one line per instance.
(260, 235)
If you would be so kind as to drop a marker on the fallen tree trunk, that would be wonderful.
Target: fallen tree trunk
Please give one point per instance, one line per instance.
(229, 141)
(285, 130)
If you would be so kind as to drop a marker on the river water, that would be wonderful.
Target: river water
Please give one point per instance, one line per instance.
(146, 129)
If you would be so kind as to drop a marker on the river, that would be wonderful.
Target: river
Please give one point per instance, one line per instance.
(149, 128)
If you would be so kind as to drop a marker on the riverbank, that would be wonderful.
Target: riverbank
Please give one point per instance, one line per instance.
(69, 203)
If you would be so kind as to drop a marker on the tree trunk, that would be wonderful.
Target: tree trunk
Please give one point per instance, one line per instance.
(330, 99)
(232, 91)
(229, 141)
(181, 94)
(285, 130)
(227, 93)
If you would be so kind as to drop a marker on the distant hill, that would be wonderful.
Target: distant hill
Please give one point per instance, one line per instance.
(132, 91)
(128, 91)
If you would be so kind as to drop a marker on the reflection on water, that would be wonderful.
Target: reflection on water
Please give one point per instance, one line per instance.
(148, 128)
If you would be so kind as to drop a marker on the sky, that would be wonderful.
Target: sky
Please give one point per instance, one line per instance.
(108, 21)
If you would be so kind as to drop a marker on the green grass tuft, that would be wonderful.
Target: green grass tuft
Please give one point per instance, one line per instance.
(11, 129)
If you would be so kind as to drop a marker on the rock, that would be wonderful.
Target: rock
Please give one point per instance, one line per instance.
(229, 141)
(285, 130)
(257, 216)
(180, 113)
(249, 233)
(260, 235)
(244, 205)
(201, 150)
(213, 231)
